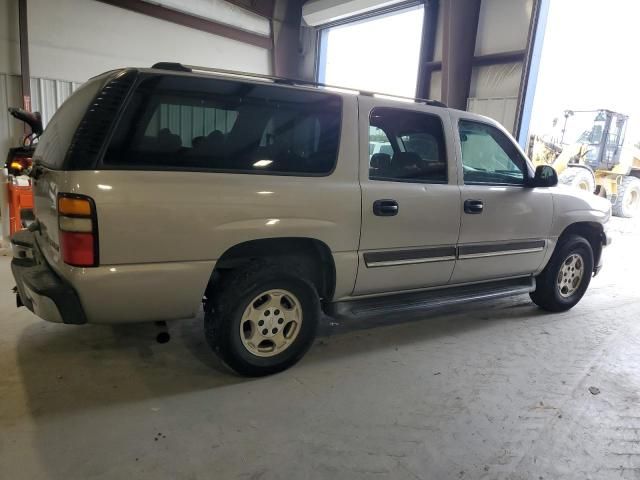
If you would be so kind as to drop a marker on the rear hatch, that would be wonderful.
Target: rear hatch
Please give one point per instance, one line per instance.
(69, 144)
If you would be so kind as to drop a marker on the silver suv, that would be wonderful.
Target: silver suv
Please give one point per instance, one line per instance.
(159, 190)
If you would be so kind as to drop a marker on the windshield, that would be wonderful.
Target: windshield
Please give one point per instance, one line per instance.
(585, 128)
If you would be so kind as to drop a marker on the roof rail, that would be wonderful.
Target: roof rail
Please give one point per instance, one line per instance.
(179, 67)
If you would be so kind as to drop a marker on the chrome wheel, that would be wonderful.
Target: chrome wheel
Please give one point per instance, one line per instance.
(584, 185)
(570, 275)
(270, 323)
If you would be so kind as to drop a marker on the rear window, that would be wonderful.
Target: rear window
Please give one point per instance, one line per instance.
(54, 143)
(182, 123)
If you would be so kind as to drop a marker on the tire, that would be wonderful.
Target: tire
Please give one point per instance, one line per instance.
(246, 288)
(628, 200)
(577, 177)
(554, 297)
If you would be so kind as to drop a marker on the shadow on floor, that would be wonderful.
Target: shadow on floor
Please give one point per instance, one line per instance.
(68, 368)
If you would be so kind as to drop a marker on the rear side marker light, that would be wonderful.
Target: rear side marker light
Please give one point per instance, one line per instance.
(78, 230)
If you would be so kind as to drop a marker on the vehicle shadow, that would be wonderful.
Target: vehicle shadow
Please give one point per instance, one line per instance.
(72, 368)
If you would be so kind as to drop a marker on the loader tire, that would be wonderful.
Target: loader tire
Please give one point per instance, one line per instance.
(577, 177)
(628, 200)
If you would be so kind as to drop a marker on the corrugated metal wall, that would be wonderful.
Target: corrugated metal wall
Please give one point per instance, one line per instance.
(190, 121)
(502, 109)
(46, 96)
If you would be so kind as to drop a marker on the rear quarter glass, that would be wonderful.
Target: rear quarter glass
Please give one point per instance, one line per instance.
(226, 125)
(54, 143)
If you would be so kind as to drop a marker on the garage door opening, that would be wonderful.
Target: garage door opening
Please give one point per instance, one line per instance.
(379, 54)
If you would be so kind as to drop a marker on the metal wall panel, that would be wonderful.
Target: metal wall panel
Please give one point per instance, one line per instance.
(502, 109)
(46, 96)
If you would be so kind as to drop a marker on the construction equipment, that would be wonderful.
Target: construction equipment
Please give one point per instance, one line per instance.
(589, 155)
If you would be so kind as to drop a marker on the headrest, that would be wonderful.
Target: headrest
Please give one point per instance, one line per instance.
(168, 141)
(406, 159)
(380, 160)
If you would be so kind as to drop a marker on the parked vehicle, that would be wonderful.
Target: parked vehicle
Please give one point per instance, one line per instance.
(158, 189)
(379, 147)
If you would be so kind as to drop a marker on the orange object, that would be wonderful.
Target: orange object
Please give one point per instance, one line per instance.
(74, 206)
(19, 197)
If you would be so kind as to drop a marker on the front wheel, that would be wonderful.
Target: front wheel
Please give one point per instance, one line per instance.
(263, 320)
(565, 279)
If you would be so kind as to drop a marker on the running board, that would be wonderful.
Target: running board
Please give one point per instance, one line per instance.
(430, 299)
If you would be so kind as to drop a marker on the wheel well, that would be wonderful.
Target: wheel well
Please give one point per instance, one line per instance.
(312, 256)
(592, 232)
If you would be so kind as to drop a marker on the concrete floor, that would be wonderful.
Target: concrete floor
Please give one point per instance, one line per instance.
(498, 390)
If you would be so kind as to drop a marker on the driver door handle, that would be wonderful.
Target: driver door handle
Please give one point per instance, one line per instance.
(473, 207)
(385, 208)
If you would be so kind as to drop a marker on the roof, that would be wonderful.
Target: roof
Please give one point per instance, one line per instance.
(178, 67)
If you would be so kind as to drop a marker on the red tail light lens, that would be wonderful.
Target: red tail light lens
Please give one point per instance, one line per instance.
(77, 248)
(78, 230)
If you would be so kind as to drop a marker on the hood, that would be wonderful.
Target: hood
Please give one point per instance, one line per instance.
(572, 199)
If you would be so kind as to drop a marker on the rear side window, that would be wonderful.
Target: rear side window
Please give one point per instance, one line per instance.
(54, 142)
(411, 146)
(180, 123)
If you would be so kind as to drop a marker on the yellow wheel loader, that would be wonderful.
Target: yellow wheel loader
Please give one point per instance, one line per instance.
(593, 158)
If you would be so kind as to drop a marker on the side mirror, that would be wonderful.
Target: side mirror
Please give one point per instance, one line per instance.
(545, 176)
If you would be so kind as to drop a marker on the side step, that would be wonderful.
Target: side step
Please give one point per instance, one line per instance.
(430, 299)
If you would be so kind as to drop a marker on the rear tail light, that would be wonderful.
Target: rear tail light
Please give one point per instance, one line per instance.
(78, 230)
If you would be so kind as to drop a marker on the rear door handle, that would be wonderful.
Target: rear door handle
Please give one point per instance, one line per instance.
(473, 206)
(385, 208)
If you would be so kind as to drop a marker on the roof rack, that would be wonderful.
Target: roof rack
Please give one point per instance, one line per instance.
(179, 67)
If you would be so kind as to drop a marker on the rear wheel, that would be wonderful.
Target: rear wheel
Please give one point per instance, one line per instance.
(565, 279)
(264, 318)
(628, 200)
(577, 177)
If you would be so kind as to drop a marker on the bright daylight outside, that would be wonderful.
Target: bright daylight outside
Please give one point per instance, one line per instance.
(378, 55)
(586, 114)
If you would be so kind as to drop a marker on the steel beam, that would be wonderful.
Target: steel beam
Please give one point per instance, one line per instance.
(515, 56)
(460, 26)
(537, 27)
(286, 38)
(192, 21)
(264, 8)
(429, 30)
(25, 72)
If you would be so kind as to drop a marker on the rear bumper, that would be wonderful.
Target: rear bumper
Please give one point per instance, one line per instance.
(39, 288)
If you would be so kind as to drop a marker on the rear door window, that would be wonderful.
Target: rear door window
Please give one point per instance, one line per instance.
(180, 123)
(412, 148)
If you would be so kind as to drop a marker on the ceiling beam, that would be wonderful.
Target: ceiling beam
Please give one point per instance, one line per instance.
(264, 8)
(515, 56)
(192, 21)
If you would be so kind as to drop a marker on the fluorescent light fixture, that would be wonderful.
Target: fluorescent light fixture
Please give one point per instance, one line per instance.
(104, 187)
(265, 193)
(262, 163)
(273, 221)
